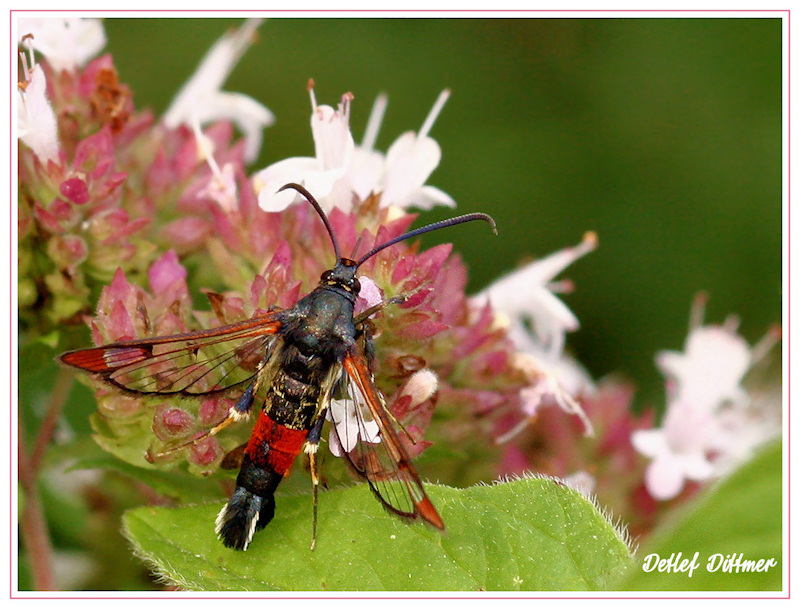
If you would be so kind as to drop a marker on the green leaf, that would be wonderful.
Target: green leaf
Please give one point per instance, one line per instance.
(529, 534)
(176, 484)
(742, 515)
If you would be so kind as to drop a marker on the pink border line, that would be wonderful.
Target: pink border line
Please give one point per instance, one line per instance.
(788, 380)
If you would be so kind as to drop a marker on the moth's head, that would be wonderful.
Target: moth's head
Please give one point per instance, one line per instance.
(342, 276)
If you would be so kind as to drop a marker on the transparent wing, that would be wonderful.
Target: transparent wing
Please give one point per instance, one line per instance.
(366, 437)
(191, 364)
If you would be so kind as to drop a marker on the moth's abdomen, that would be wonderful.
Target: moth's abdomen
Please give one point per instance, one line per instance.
(273, 446)
(269, 455)
(276, 440)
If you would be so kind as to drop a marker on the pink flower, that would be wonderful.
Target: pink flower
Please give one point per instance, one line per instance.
(168, 277)
(170, 422)
(369, 296)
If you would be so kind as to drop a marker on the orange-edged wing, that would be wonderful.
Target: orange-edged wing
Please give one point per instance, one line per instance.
(366, 434)
(190, 364)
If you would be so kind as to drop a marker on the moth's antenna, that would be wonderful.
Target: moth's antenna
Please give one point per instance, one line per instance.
(309, 197)
(431, 227)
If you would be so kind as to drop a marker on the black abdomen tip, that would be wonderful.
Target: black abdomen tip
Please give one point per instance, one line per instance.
(244, 514)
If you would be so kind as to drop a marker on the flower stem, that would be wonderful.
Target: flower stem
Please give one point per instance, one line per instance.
(33, 526)
(58, 399)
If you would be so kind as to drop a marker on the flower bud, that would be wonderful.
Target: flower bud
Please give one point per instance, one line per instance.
(421, 386)
(205, 452)
(75, 190)
(67, 251)
(170, 423)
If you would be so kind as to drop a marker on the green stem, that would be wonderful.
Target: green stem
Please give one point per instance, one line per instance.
(58, 398)
(33, 526)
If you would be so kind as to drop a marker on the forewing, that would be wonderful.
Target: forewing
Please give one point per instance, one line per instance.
(362, 424)
(190, 364)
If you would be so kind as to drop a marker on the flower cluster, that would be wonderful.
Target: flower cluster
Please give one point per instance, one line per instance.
(102, 186)
(112, 199)
(111, 194)
(711, 423)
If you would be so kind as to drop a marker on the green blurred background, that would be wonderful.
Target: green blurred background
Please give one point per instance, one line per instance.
(662, 135)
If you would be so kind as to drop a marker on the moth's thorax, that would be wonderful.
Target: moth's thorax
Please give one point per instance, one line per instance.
(321, 324)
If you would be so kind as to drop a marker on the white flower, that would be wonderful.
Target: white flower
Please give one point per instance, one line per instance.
(711, 424)
(400, 176)
(333, 146)
(66, 43)
(202, 99)
(37, 126)
(341, 172)
(711, 368)
(570, 375)
(222, 188)
(366, 164)
(678, 450)
(546, 387)
(740, 431)
(537, 324)
(352, 421)
(526, 295)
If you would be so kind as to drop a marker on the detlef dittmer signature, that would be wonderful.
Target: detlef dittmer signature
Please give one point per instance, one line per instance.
(722, 563)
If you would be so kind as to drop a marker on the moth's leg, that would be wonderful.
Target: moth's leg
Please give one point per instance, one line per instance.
(399, 299)
(311, 448)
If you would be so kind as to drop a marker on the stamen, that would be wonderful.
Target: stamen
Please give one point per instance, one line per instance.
(731, 323)
(698, 311)
(563, 286)
(765, 345)
(434, 113)
(344, 107)
(548, 267)
(205, 150)
(569, 405)
(374, 122)
(27, 41)
(313, 97)
(513, 432)
(26, 71)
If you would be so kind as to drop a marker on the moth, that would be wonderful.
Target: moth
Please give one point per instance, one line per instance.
(289, 364)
